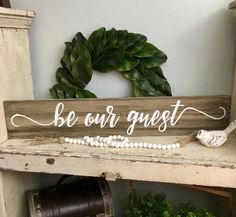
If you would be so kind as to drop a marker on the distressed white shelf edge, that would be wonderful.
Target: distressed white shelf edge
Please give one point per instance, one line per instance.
(193, 164)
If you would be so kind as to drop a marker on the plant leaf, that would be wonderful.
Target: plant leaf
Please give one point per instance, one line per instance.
(97, 40)
(133, 75)
(135, 42)
(108, 59)
(158, 82)
(111, 38)
(81, 66)
(121, 37)
(127, 63)
(157, 70)
(65, 60)
(63, 76)
(156, 60)
(63, 91)
(147, 50)
(82, 93)
(79, 51)
(79, 38)
(137, 91)
(145, 86)
(81, 72)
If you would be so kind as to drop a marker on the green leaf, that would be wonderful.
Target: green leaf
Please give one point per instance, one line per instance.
(79, 38)
(108, 59)
(97, 40)
(84, 94)
(53, 92)
(63, 76)
(63, 91)
(157, 81)
(65, 61)
(135, 42)
(137, 91)
(127, 63)
(153, 76)
(121, 37)
(148, 50)
(157, 70)
(80, 51)
(111, 38)
(156, 60)
(154, 83)
(133, 75)
(81, 72)
(145, 86)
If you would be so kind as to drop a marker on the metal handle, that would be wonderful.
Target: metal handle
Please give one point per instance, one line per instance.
(111, 176)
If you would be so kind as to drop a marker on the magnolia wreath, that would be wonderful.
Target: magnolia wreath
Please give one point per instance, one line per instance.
(109, 50)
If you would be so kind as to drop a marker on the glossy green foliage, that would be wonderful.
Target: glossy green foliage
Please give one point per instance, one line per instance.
(63, 91)
(108, 50)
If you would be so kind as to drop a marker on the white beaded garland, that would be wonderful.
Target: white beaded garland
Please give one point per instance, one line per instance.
(118, 141)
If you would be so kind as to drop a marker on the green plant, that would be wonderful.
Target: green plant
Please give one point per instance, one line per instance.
(148, 205)
(188, 210)
(107, 50)
(156, 205)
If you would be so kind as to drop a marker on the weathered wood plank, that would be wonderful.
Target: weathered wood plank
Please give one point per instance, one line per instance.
(43, 111)
(193, 164)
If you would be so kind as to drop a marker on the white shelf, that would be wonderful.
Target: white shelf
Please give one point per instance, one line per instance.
(193, 164)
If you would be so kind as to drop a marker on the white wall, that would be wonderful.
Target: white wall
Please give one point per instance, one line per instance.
(198, 37)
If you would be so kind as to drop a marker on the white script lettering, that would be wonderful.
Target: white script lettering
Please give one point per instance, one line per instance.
(158, 118)
(58, 121)
(147, 120)
(101, 119)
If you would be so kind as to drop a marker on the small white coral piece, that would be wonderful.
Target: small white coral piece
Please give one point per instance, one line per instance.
(215, 138)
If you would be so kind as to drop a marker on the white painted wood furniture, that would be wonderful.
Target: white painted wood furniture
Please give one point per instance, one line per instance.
(22, 160)
(15, 83)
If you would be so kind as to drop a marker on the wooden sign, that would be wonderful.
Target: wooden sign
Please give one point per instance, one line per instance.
(128, 116)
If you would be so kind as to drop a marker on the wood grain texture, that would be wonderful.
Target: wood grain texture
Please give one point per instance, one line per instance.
(43, 111)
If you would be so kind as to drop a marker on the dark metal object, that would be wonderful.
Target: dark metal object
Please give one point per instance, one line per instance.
(5, 3)
(90, 197)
